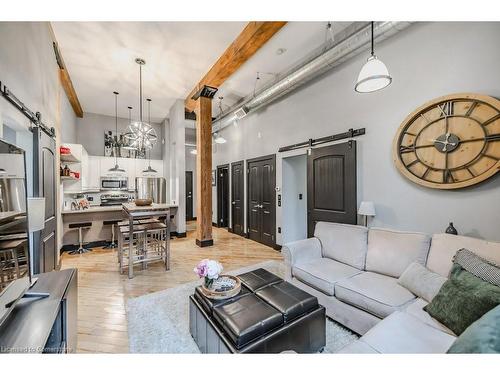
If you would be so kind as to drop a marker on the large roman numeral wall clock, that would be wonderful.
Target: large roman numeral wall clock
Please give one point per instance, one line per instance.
(450, 142)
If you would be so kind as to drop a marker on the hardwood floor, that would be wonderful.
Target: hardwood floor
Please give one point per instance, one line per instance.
(103, 291)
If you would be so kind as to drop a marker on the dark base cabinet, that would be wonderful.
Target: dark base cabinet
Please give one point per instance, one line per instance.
(44, 325)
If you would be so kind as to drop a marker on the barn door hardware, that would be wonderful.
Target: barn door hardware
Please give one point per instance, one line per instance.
(351, 133)
(34, 117)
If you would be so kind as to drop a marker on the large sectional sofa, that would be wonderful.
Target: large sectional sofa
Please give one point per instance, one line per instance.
(354, 271)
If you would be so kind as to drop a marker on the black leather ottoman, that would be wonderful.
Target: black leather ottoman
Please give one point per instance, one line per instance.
(272, 317)
(208, 304)
(259, 278)
(289, 300)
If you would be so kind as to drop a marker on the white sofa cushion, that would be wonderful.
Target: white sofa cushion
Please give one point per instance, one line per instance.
(421, 281)
(343, 242)
(403, 333)
(377, 294)
(391, 252)
(417, 310)
(322, 274)
(444, 247)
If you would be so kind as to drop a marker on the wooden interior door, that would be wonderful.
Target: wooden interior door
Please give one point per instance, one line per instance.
(189, 195)
(261, 200)
(223, 196)
(237, 200)
(331, 185)
(44, 177)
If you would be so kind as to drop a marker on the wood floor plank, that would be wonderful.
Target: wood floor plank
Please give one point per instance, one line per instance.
(103, 292)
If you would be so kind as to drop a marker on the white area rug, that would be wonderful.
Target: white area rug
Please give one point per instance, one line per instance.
(159, 322)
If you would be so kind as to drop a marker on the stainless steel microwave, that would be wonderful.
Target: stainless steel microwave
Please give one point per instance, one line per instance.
(114, 183)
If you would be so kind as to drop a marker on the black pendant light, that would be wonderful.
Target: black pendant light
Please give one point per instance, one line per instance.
(149, 169)
(116, 168)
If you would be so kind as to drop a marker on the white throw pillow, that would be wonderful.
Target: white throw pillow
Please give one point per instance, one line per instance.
(421, 281)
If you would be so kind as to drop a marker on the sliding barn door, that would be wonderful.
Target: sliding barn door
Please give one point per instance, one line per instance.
(331, 185)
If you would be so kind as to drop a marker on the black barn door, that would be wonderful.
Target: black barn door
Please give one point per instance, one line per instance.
(237, 201)
(261, 200)
(223, 196)
(331, 185)
(44, 177)
(189, 195)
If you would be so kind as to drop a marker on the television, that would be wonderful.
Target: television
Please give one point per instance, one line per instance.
(15, 271)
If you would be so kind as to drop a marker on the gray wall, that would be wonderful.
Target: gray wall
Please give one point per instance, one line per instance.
(90, 133)
(29, 69)
(426, 60)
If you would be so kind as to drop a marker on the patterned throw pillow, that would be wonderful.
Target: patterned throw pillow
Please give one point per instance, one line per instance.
(478, 266)
(462, 300)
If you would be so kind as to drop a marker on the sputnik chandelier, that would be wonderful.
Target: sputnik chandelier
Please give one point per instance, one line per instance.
(141, 134)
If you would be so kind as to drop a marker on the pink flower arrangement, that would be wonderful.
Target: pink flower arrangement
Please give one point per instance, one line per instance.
(209, 269)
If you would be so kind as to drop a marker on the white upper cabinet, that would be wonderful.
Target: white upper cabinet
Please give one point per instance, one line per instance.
(94, 172)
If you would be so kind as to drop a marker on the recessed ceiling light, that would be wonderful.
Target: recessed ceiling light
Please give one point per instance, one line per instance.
(280, 51)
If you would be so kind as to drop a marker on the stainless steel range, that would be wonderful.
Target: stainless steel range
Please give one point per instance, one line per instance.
(114, 199)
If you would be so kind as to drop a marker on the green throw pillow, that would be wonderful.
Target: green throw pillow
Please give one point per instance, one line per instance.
(482, 336)
(462, 300)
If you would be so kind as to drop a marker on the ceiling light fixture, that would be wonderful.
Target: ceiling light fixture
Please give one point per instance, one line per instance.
(217, 137)
(116, 168)
(374, 75)
(142, 134)
(127, 136)
(149, 169)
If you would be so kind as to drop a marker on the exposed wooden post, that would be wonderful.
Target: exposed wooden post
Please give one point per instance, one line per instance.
(204, 171)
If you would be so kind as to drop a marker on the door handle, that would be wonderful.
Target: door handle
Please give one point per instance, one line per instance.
(233, 202)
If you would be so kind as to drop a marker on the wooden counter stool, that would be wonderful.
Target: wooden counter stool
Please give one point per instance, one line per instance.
(113, 223)
(80, 226)
(149, 221)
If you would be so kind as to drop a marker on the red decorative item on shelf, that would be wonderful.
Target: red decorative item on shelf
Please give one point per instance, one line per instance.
(64, 150)
(77, 175)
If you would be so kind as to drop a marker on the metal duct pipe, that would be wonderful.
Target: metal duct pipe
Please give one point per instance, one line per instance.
(349, 47)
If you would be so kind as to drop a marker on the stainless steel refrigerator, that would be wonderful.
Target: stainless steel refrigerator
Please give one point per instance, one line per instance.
(151, 187)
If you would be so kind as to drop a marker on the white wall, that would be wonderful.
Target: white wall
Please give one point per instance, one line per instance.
(294, 210)
(177, 161)
(90, 132)
(426, 60)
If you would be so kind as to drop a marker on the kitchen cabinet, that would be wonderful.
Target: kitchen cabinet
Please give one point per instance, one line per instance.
(94, 173)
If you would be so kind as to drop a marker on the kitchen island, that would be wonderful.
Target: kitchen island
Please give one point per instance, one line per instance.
(97, 233)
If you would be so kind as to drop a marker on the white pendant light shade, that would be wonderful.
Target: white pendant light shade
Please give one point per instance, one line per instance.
(194, 151)
(373, 76)
(219, 139)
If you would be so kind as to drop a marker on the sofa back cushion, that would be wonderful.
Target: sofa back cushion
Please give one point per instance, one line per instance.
(444, 247)
(343, 242)
(391, 252)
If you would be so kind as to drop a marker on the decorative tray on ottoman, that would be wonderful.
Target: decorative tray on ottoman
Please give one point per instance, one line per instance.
(224, 287)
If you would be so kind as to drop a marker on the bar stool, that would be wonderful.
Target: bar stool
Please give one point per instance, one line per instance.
(137, 242)
(113, 243)
(80, 226)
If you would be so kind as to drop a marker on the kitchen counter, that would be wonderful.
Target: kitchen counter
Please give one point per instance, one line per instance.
(93, 209)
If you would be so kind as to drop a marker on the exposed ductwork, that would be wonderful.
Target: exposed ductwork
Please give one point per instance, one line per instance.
(351, 45)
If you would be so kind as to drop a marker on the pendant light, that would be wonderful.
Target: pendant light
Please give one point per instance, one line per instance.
(128, 145)
(142, 134)
(374, 75)
(116, 168)
(217, 137)
(149, 169)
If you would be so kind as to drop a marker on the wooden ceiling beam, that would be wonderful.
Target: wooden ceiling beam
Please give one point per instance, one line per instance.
(65, 79)
(246, 44)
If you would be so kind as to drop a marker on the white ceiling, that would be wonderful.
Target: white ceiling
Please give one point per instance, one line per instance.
(299, 39)
(100, 59)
